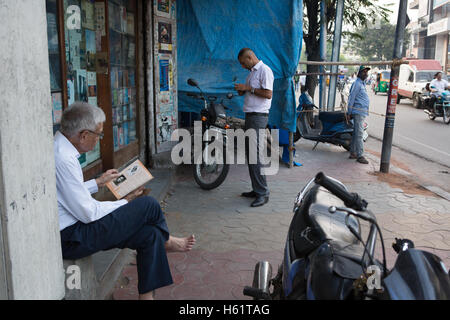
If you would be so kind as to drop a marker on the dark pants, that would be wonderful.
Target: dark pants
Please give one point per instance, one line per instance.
(139, 225)
(432, 101)
(259, 183)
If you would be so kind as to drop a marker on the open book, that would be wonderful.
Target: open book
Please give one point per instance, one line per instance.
(132, 177)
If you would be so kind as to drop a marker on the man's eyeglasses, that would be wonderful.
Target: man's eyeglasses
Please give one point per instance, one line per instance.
(100, 135)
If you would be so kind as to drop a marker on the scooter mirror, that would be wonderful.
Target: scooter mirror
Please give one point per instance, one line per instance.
(192, 82)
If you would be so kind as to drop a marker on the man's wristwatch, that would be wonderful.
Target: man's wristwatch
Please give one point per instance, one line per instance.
(252, 90)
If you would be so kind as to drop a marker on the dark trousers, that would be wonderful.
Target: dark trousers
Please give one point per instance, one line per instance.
(259, 183)
(139, 225)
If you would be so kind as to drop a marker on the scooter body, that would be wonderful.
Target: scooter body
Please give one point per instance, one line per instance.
(333, 127)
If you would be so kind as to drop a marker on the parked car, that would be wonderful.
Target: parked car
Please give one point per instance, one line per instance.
(413, 78)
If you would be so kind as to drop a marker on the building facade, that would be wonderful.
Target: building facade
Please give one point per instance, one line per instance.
(119, 55)
(430, 32)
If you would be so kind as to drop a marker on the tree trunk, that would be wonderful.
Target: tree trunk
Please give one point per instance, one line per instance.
(312, 44)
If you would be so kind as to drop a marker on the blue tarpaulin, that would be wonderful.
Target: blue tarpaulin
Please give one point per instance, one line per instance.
(210, 34)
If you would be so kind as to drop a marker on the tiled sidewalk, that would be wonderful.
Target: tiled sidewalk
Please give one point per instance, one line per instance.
(232, 237)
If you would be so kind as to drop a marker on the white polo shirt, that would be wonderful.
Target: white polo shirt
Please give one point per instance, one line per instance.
(75, 202)
(260, 77)
(439, 85)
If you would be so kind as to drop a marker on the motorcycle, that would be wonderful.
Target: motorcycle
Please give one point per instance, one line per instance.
(325, 256)
(332, 127)
(209, 173)
(440, 108)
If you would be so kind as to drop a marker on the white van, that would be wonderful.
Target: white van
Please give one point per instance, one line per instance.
(413, 78)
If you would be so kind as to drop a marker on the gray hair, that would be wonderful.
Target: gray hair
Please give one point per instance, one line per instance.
(81, 116)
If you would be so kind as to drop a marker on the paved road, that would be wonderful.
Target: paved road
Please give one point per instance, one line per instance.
(413, 131)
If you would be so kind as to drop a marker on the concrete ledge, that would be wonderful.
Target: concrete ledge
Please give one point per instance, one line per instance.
(88, 289)
(100, 271)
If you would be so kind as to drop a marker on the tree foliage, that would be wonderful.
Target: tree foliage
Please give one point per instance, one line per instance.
(376, 43)
(357, 13)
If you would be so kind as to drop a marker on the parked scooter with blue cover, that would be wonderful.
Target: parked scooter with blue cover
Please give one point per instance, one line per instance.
(333, 127)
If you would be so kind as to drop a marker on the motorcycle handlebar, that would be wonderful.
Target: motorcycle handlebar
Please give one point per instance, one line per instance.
(351, 200)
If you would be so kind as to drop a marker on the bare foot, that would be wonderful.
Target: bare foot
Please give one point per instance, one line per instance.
(147, 296)
(175, 244)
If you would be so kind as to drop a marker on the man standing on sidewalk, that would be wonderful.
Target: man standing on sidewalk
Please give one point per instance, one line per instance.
(358, 110)
(257, 89)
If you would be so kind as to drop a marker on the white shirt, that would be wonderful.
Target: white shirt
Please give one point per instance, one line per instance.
(75, 202)
(303, 80)
(260, 77)
(440, 86)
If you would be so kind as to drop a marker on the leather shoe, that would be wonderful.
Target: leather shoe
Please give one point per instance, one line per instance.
(260, 201)
(362, 160)
(251, 194)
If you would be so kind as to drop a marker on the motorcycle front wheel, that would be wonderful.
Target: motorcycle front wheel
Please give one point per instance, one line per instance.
(210, 176)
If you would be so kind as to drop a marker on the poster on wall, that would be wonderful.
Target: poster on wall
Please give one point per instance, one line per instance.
(165, 37)
(164, 75)
(164, 23)
(88, 14)
(100, 18)
(102, 62)
(92, 88)
(167, 108)
(81, 85)
(163, 8)
(57, 107)
(91, 49)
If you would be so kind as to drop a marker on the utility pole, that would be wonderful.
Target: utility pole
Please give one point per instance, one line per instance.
(335, 53)
(323, 54)
(393, 88)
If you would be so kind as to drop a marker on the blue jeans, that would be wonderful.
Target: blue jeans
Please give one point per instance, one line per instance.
(139, 225)
(357, 144)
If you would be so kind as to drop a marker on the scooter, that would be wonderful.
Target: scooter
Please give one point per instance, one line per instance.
(325, 256)
(332, 127)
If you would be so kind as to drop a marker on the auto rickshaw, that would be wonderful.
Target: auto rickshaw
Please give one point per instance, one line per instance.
(382, 81)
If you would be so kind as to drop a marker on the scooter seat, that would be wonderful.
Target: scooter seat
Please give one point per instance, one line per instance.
(313, 224)
(332, 116)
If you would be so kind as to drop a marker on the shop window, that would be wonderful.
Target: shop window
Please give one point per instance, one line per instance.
(92, 56)
(122, 48)
(81, 69)
(54, 59)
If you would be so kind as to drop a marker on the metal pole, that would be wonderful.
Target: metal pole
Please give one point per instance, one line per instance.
(393, 89)
(335, 53)
(323, 54)
(291, 149)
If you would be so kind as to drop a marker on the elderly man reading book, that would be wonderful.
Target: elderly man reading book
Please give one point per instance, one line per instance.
(88, 226)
